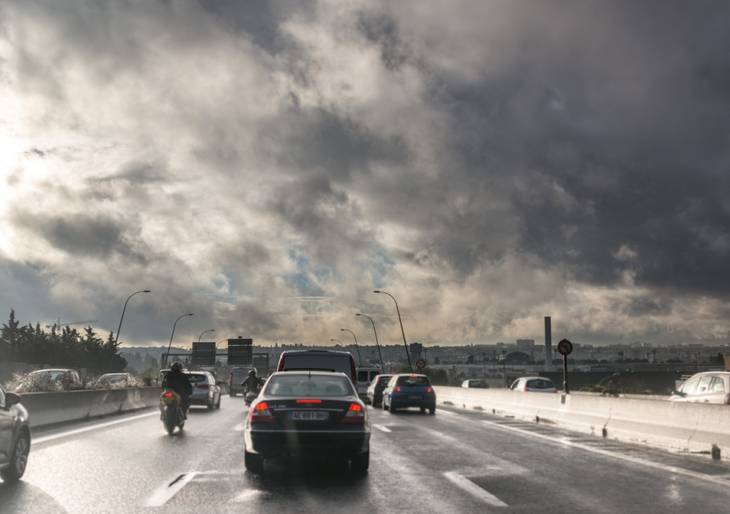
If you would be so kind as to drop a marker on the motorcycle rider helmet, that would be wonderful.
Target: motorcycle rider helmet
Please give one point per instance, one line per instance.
(252, 372)
(176, 366)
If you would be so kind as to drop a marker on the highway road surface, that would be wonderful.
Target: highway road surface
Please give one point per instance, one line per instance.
(455, 461)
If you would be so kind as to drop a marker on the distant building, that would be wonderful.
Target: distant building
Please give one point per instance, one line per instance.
(525, 345)
(416, 351)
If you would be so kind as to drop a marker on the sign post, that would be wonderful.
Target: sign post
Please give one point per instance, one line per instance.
(565, 347)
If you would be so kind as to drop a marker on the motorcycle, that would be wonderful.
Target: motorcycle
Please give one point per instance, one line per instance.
(250, 397)
(171, 413)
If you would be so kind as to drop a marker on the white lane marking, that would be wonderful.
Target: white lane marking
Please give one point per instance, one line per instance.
(382, 428)
(634, 460)
(249, 495)
(165, 493)
(45, 439)
(449, 413)
(470, 487)
(495, 463)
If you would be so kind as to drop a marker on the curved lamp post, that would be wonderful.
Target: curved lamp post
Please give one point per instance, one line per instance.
(405, 345)
(357, 346)
(205, 332)
(119, 328)
(172, 334)
(377, 343)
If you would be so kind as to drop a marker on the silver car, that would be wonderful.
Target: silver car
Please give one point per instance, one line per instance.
(705, 387)
(205, 390)
(14, 437)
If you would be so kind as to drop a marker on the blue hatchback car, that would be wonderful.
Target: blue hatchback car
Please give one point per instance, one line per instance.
(409, 390)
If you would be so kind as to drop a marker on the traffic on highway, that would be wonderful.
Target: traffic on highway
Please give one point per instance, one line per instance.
(364, 256)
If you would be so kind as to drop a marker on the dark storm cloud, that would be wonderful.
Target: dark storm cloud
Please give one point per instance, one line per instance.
(81, 234)
(610, 133)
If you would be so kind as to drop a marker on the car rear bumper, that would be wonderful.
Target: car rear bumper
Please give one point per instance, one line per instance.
(401, 401)
(271, 443)
(201, 400)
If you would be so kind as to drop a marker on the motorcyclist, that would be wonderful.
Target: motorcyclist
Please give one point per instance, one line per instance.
(179, 382)
(252, 384)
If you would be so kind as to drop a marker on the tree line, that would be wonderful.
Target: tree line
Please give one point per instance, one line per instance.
(60, 346)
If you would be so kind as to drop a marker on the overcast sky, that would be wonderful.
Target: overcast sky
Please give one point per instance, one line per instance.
(266, 164)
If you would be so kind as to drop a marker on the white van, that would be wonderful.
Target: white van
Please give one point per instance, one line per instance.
(318, 360)
(365, 375)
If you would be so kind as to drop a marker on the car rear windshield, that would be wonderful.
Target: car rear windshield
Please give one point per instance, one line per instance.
(540, 384)
(318, 362)
(308, 386)
(412, 381)
(197, 379)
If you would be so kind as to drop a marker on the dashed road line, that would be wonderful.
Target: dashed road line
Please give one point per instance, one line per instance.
(166, 493)
(470, 487)
(382, 428)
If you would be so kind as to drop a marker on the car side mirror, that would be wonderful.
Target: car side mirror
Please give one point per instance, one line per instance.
(11, 399)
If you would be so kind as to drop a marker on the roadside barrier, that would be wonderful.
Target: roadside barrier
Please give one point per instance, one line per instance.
(59, 407)
(692, 427)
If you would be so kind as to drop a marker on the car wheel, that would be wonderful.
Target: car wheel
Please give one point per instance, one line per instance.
(210, 404)
(360, 463)
(432, 411)
(423, 410)
(18, 460)
(218, 405)
(391, 408)
(254, 463)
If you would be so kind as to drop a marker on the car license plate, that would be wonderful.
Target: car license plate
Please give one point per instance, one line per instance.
(414, 397)
(308, 415)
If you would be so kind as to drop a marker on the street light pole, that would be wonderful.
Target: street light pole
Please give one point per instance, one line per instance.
(377, 343)
(119, 328)
(205, 332)
(172, 334)
(403, 333)
(357, 346)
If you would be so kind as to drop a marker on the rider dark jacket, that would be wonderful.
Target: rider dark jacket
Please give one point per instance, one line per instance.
(252, 384)
(178, 382)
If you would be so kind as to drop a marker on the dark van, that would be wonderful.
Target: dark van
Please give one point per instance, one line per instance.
(318, 360)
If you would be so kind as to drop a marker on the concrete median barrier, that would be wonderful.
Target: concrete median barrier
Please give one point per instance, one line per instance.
(678, 426)
(51, 408)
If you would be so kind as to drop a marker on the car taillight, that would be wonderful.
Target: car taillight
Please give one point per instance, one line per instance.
(309, 400)
(203, 386)
(168, 394)
(260, 413)
(396, 389)
(429, 389)
(355, 414)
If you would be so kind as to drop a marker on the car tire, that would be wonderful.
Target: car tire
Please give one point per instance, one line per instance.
(360, 463)
(385, 407)
(391, 408)
(218, 405)
(423, 410)
(18, 460)
(432, 411)
(232, 394)
(254, 463)
(210, 405)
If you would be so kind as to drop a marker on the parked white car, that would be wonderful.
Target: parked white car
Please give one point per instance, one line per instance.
(533, 385)
(705, 387)
(475, 383)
